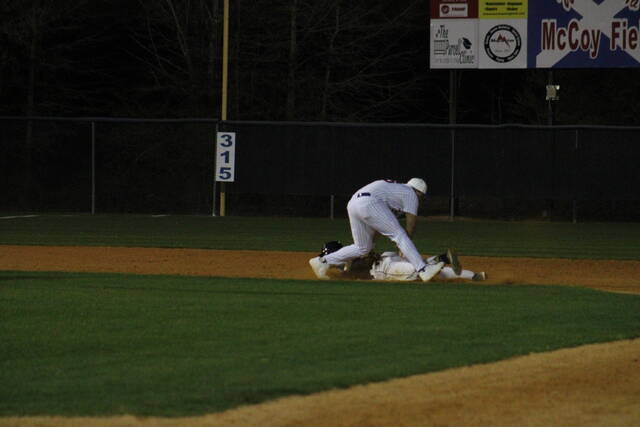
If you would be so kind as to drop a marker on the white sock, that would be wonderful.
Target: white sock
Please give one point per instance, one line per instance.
(448, 273)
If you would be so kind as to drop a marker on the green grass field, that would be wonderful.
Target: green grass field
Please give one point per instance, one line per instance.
(102, 344)
(483, 238)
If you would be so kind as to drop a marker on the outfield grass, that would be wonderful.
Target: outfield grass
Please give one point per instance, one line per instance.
(481, 238)
(89, 344)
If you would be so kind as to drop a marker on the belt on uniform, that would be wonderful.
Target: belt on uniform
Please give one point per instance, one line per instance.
(363, 194)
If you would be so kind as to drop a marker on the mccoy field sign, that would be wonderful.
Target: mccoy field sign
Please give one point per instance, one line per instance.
(534, 33)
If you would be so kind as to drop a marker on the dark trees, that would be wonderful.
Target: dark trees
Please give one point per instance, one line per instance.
(308, 60)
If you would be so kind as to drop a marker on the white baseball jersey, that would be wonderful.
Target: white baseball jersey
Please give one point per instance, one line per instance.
(398, 197)
(371, 210)
(392, 266)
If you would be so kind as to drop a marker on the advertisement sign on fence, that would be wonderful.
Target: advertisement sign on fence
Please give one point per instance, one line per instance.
(502, 31)
(454, 37)
(535, 34)
(454, 45)
(584, 34)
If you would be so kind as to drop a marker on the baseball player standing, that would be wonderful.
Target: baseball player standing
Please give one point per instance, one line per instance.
(371, 210)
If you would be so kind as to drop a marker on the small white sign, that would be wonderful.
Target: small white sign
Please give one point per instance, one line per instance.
(454, 43)
(225, 156)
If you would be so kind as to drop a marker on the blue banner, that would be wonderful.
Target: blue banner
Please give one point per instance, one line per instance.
(583, 34)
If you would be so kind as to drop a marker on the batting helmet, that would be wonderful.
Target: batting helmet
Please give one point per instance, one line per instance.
(330, 247)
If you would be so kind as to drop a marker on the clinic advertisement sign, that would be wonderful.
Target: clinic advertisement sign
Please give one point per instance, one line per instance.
(535, 33)
(454, 37)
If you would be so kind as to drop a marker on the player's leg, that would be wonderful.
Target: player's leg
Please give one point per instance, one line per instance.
(381, 219)
(362, 238)
(362, 244)
(448, 273)
(450, 258)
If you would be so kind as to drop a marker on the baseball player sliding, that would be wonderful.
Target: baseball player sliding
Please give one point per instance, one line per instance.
(392, 266)
(371, 209)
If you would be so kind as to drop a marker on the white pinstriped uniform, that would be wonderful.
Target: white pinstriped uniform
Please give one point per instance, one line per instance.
(394, 267)
(370, 210)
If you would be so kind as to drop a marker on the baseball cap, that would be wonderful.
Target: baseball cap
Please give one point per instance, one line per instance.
(418, 184)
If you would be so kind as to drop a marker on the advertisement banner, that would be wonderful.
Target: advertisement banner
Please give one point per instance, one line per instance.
(503, 43)
(452, 9)
(535, 34)
(496, 9)
(584, 34)
(454, 34)
(454, 44)
(503, 33)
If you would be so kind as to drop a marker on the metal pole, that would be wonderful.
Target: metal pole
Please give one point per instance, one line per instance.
(225, 60)
(331, 203)
(550, 123)
(452, 120)
(93, 168)
(453, 175)
(225, 84)
(215, 182)
(549, 101)
(575, 201)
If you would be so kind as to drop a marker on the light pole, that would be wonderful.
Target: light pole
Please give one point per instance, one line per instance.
(552, 95)
(225, 85)
(453, 113)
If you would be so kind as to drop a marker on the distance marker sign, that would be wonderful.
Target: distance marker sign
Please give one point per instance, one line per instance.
(225, 156)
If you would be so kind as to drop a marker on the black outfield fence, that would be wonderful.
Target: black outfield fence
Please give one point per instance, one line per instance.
(165, 166)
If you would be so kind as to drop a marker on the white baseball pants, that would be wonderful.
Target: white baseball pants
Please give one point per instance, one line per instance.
(368, 216)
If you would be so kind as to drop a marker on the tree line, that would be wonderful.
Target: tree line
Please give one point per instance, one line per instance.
(298, 60)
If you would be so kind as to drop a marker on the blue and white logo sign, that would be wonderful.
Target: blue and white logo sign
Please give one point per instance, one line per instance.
(502, 43)
(584, 34)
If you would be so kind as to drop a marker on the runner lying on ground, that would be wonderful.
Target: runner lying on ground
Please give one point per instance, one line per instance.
(393, 266)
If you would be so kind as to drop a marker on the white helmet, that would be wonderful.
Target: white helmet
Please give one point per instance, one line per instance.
(418, 184)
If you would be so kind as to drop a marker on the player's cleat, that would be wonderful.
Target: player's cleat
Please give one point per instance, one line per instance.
(319, 267)
(453, 261)
(430, 270)
(479, 277)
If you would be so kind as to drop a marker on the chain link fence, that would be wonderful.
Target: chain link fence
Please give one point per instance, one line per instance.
(166, 166)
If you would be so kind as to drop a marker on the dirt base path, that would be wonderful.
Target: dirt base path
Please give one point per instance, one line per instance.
(590, 385)
(615, 276)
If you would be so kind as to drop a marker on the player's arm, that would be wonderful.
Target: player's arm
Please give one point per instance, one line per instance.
(411, 221)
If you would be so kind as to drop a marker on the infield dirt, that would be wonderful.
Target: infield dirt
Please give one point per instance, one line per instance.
(589, 385)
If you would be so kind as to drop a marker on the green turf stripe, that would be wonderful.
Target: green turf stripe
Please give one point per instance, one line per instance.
(90, 344)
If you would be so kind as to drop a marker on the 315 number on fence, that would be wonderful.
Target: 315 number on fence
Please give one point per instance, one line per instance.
(225, 156)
